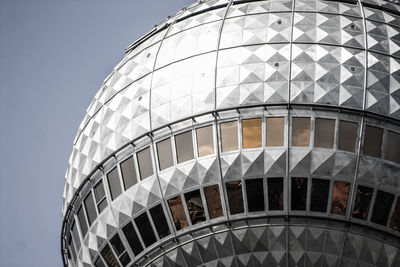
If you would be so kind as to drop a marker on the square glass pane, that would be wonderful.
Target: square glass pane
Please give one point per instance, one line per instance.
(82, 221)
(319, 195)
(324, 133)
(275, 193)
(382, 206)
(251, 133)
(362, 202)
(392, 148)
(114, 184)
(164, 151)
(195, 206)
(213, 200)
(301, 131)
(128, 172)
(372, 141)
(117, 244)
(178, 213)
(145, 229)
(109, 257)
(184, 146)
(158, 216)
(205, 141)
(299, 193)
(145, 163)
(133, 239)
(235, 197)
(275, 131)
(347, 136)
(99, 191)
(395, 220)
(90, 208)
(229, 136)
(340, 194)
(255, 194)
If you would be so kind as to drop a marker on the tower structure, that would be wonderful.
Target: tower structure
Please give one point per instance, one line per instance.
(244, 133)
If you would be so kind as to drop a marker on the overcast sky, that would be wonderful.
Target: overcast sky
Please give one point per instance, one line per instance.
(54, 54)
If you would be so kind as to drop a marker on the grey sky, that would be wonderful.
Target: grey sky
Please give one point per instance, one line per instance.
(54, 54)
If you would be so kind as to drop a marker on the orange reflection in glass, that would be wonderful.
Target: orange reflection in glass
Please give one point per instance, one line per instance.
(251, 133)
(340, 195)
(178, 213)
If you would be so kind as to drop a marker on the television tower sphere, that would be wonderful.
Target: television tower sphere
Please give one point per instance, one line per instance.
(244, 133)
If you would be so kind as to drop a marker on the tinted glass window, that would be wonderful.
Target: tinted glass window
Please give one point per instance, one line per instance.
(184, 146)
(372, 141)
(145, 163)
(213, 200)
(195, 207)
(395, 220)
(145, 229)
(128, 172)
(114, 183)
(229, 136)
(90, 208)
(347, 136)
(324, 133)
(178, 213)
(301, 131)
(99, 191)
(99, 263)
(383, 204)
(235, 197)
(319, 195)
(392, 149)
(251, 131)
(125, 259)
(75, 234)
(109, 257)
(164, 151)
(340, 194)
(275, 131)
(275, 193)
(158, 216)
(117, 244)
(362, 202)
(299, 193)
(82, 221)
(255, 194)
(71, 250)
(133, 239)
(205, 141)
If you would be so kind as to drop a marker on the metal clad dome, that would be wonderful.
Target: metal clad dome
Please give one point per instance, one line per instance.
(329, 69)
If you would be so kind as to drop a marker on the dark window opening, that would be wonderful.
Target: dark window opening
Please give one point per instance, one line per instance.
(120, 250)
(383, 204)
(158, 216)
(114, 183)
(319, 195)
(275, 193)
(82, 221)
(340, 195)
(255, 194)
(133, 239)
(301, 131)
(372, 141)
(324, 133)
(90, 208)
(195, 206)
(184, 146)
(395, 220)
(299, 193)
(145, 163)
(178, 213)
(235, 197)
(128, 173)
(347, 136)
(362, 202)
(164, 151)
(392, 149)
(213, 200)
(145, 229)
(100, 196)
(109, 257)
(99, 263)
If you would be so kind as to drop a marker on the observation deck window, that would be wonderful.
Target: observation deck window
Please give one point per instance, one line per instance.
(235, 197)
(195, 206)
(90, 208)
(164, 151)
(347, 136)
(145, 163)
(205, 141)
(82, 221)
(251, 133)
(395, 220)
(100, 196)
(229, 136)
(301, 131)
(120, 250)
(184, 146)
(132, 238)
(160, 222)
(319, 195)
(362, 202)
(299, 193)
(145, 229)
(99, 263)
(275, 193)
(382, 206)
(392, 149)
(324, 133)
(255, 195)
(114, 183)
(109, 257)
(213, 200)
(128, 171)
(178, 213)
(340, 195)
(275, 131)
(372, 141)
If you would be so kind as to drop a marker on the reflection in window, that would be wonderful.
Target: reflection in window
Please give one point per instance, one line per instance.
(383, 204)
(158, 216)
(347, 136)
(235, 197)
(300, 131)
(362, 202)
(213, 201)
(132, 237)
(251, 133)
(275, 193)
(392, 149)
(324, 133)
(82, 221)
(299, 193)
(120, 250)
(195, 207)
(205, 141)
(255, 194)
(164, 151)
(395, 220)
(99, 263)
(372, 141)
(275, 131)
(128, 173)
(90, 208)
(340, 195)
(145, 229)
(109, 257)
(145, 163)
(114, 183)
(178, 213)
(100, 195)
(229, 136)
(319, 195)
(184, 146)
